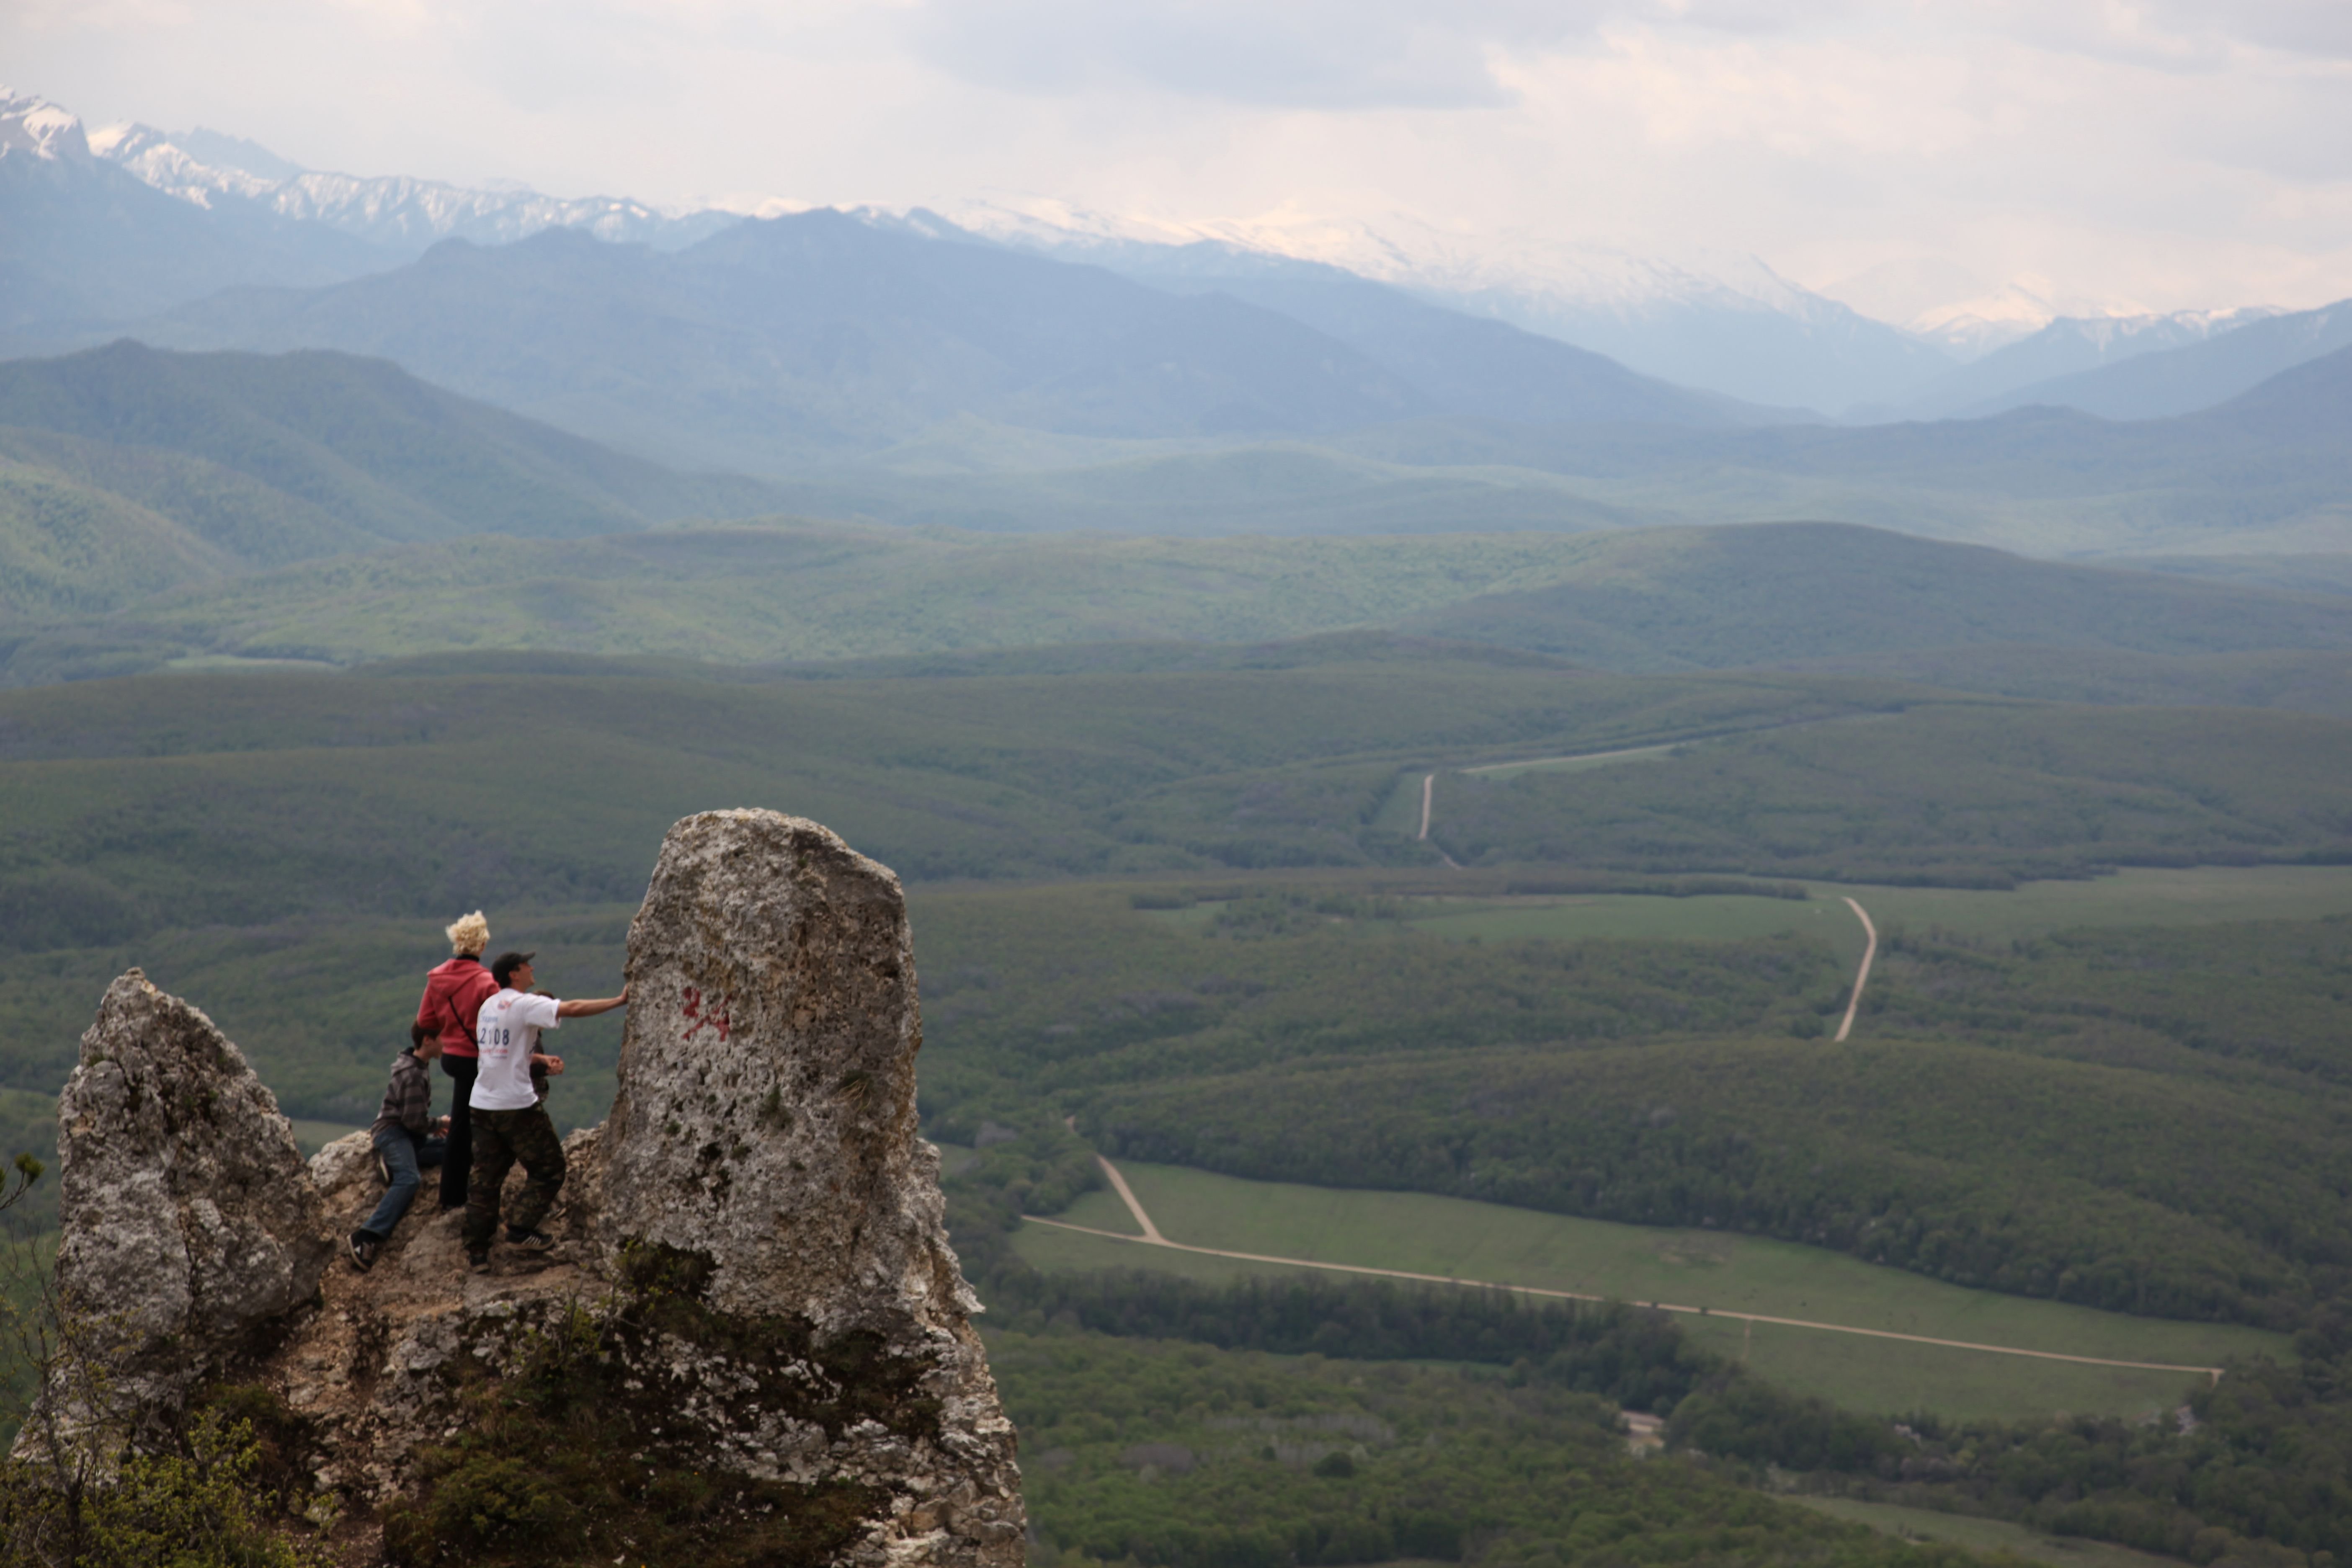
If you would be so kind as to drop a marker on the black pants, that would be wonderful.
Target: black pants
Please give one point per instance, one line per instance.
(458, 1163)
(500, 1138)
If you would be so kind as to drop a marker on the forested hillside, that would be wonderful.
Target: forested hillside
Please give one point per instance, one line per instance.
(124, 472)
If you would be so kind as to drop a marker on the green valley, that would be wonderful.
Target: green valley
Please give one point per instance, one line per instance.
(782, 590)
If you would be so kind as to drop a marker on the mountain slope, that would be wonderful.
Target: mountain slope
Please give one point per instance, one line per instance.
(238, 518)
(69, 550)
(125, 470)
(2196, 375)
(1467, 364)
(360, 438)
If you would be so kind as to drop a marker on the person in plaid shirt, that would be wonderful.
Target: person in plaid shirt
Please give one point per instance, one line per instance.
(407, 1139)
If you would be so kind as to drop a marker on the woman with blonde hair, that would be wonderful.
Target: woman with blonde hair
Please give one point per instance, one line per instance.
(454, 994)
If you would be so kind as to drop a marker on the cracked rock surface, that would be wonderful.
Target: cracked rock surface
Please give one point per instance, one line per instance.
(754, 1238)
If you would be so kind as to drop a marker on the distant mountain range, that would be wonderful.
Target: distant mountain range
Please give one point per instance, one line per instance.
(87, 246)
(1734, 326)
(817, 337)
(1073, 372)
(2206, 369)
(1727, 323)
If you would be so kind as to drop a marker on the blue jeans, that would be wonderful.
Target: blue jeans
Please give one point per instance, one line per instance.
(403, 1155)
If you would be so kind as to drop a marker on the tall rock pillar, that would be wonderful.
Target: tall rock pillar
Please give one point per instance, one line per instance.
(763, 1150)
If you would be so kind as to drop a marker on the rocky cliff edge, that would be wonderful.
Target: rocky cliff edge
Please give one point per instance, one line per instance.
(752, 1344)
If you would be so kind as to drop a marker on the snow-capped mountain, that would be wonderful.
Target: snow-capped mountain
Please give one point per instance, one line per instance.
(1985, 323)
(2198, 369)
(34, 127)
(83, 244)
(2026, 310)
(1722, 321)
(401, 214)
(2070, 345)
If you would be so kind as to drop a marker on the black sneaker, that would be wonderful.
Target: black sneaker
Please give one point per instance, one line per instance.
(478, 1261)
(364, 1246)
(530, 1240)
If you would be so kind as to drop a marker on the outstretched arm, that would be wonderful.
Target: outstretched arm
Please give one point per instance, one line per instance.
(590, 1009)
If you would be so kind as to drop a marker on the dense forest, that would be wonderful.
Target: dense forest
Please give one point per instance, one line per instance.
(1180, 1455)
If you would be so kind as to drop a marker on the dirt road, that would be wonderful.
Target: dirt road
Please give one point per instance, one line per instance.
(1862, 975)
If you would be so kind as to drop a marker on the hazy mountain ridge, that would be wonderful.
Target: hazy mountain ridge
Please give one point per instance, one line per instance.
(818, 336)
(1727, 324)
(2280, 444)
(1468, 363)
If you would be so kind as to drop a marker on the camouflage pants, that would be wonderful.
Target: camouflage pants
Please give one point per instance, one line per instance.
(500, 1138)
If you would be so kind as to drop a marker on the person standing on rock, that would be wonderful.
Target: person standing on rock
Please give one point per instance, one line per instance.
(454, 994)
(406, 1141)
(510, 1122)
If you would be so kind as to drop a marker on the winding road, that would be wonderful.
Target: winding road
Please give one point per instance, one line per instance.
(1429, 788)
(1869, 932)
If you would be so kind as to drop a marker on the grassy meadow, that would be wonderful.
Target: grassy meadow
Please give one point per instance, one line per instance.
(1975, 1534)
(1424, 1234)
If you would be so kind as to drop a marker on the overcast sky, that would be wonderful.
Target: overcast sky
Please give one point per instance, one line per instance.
(2176, 152)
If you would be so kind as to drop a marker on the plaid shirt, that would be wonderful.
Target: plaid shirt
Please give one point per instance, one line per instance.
(407, 1098)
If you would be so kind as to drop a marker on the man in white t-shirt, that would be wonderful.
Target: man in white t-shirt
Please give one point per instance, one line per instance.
(510, 1122)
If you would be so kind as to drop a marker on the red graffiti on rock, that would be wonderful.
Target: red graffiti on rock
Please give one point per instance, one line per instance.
(713, 1017)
